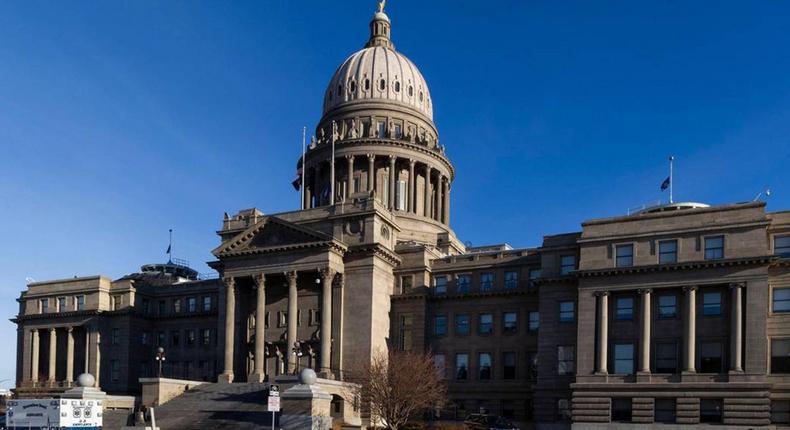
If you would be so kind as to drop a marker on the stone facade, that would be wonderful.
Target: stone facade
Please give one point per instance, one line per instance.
(677, 314)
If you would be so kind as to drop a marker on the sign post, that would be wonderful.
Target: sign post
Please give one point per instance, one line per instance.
(274, 401)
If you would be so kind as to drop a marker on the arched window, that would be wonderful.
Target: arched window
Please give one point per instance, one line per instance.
(411, 91)
(397, 86)
(367, 84)
(420, 95)
(340, 90)
(382, 84)
(352, 86)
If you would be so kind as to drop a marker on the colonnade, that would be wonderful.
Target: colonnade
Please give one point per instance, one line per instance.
(91, 351)
(327, 277)
(689, 329)
(436, 195)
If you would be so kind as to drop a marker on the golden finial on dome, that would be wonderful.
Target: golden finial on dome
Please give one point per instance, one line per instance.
(381, 5)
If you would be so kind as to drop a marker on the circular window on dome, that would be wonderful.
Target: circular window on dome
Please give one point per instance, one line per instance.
(382, 85)
(411, 91)
(352, 86)
(397, 86)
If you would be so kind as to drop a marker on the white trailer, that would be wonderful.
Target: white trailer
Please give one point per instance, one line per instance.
(54, 414)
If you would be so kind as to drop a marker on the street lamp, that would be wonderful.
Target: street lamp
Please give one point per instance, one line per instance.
(160, 357)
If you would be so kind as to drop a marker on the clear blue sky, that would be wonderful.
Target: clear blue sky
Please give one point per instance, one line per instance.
(119, 120)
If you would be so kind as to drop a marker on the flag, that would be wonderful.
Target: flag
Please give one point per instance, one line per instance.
(665, 184)
(168, 249)
(297, 183)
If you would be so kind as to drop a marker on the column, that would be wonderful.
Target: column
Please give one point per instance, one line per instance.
(260, 328)
(690, 330)
(305, 200)
(644, 357)
(427, 196)
(411, 204)
(87, 350)
(371, 172)
(736, 335)
(97, 357)
(392, 183)
(446, 203)
(34, 357)
(69, 355)
(53, 347)
(439, 198)
(230, 323)
(603, 332)
(293, 310)
(349, 176)
(327, 275)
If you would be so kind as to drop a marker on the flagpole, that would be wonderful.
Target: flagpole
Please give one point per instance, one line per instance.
(671, 180)
(332, 166)
(304, 170)
(170, 248)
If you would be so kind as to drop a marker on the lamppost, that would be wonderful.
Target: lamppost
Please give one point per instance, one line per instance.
(297, 353)
(160, 357)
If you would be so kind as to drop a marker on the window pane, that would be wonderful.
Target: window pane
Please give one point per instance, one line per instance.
(714, 248)
(486, 281)
(710, 410)
(625, 308)
(624, 358)
(668, 251)
(780, 355)
(440, 325)
(711, 303)
(461, 366)
(534, 320)
(567, 264)
(484, 362)
(781, 300)
(462, 324)
(625, 255)
(440, 284)
(621, 410)
(509, 365)
(667, 306)
(665, 411)
(510, 322)
(710, 357)
(565, 360)
(463, 283)
(486, 325)
(567, 311)
(782, 246)
(666, 358)
(511, 280)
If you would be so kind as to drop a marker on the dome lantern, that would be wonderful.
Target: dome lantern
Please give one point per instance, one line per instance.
(380, 29)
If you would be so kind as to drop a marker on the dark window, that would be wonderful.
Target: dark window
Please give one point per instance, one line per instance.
(567, 311)
(666, 357)
(146, 306)
(80, 303)
(710, 410)
(175, 338)
(440, 325)
(462, 324)
(621, 410)
(162, 307)
(115, 370)
(190, 337)
(566, 360)
(486, 281)
(781, 300)
(780, 355)
(160, 338)
(411, 91)
(567, 264)
(440, 365)
(780, 412)
(206, 336)
(484, 363)
(382, 84)
(667, 306)
(710, 357)
(144, 338)
(508, 409)
(714, 248)
(665, 411)
(782, 245)
(207, 304)
(44, 305)
(116, 336)
(711, 304)
(177, 305)
(486, 324)
(625, 255)
(667, 251)
(532, 366)
(625, 308)
(563, 410)
(624, 358)
(191, 304)
(511, 280)
(461, 366)
(509, 322)
(352, 86)
(462, 284)
(397, 86)
(534, 321)
(440, 285)
(367, 85)
(509, 365)
(534, 274)
(406, 284)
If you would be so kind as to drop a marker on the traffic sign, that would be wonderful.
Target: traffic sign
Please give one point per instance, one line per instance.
(274, 388)
(274, 404)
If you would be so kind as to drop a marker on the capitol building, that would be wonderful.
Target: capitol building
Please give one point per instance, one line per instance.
(678, 314)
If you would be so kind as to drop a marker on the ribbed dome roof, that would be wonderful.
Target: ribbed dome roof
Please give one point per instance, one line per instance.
(379, 73)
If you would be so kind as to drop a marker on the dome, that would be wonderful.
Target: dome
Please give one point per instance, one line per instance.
(378, 73)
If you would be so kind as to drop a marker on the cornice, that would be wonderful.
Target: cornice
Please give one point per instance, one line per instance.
(691, 265)
(378, 250)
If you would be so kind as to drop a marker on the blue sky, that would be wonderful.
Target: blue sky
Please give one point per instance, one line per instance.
(119, 120)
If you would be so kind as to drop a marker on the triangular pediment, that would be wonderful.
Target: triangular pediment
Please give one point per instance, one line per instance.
(272, 234)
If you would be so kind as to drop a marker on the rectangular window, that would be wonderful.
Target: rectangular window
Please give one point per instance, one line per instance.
(567, 264)
(406, 284)
(80, 306)
(780, 356)
(160, 338)
(667, 306)
(625, 255)
(667, 251)
(440, 285)
(566, 360)
(532, 366)
(711, 304)
(484, 366)
(462, 284)
(782, 246)
(666, 357)
(282, 319)
(381, 129)
(509, 365)
(509, 322)
(400, 200)
(710, 410)
(115, 337)
(567, 311)
(177, 306)
(146, 306)
(461, 366)
(439, 364)
(191, 337)
(486, 281)
(665, 411)
(624, 358)
(175, 337)
(207, 304)
(462, 324)
(511, 280)
(116, 302)
(710, 357)
(534, 320)
(534, 274)
(404, 333)
(191, 304)
(115, 370)
(314, 318)
(780, 412)
(206, 336)
(43, 305)
(486, 324)
(714, 248)
(440, 325)
(62, 304)
(781, 300)
(624, 308)
(621, 410)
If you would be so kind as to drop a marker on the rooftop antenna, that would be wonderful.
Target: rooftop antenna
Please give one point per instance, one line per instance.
(169, 251)
(766, 192)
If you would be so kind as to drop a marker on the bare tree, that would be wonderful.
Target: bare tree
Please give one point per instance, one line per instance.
(400, 385)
